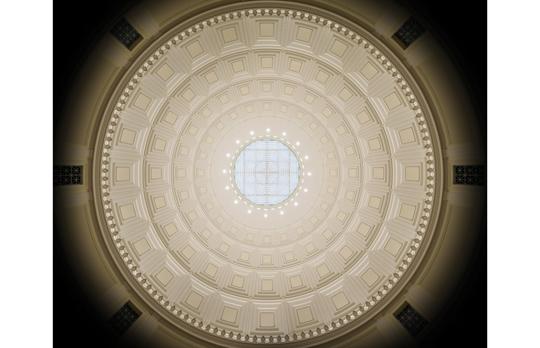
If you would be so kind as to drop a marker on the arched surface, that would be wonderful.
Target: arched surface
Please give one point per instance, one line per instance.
(418, 294)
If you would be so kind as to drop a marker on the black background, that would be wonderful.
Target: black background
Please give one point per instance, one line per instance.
(462, 33)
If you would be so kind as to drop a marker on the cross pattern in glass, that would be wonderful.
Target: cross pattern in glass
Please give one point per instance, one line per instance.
(266, 172)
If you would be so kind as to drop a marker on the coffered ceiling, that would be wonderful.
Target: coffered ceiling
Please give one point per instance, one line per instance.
(302, 268)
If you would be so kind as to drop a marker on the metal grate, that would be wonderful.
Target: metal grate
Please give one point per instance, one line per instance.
(409, 32)
(125, 33)
(67, 175)
(411, 320)
(469, 175)
(266, 172)
(124, 318)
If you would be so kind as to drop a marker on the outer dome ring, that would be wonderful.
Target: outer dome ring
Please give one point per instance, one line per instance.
(103, 194)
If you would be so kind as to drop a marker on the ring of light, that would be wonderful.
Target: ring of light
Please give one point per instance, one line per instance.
(292, 194)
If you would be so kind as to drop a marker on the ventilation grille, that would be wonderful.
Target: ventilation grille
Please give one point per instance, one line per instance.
(67, 175)
(411, 320)
(409, 32)
(469, 175)
(124, 318)
(126, 34)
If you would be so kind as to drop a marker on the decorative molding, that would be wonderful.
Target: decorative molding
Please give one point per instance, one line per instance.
(172, 118)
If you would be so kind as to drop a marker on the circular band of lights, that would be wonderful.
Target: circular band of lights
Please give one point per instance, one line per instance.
(301, 174)
(155, 293)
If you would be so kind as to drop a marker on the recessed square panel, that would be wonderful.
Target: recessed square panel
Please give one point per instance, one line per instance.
(224, 247)
(407, 211)
(267, 62)
(304, 315)
(127, 136)
(188, 252)
(159, 202)
(141, 246)
(211, 76)
(194, 49)
(345, 94)
(164, 276)
(267, 285)
(266, 29)
(289, 90)
(123, 174)
(170, 229)
(363, 117)
(363, 229)
(127, 211)
(375, 144)
(229, 315)
(338, 48)
(165, 72)
(295, 65)
(188, 94)
(304, 34)
(369, 71)
(412, 173)
(170, 117)
(322, 76)
(378, 173)
(392, 101)
(295, 281)
(211, 270)
(142, 101)
(346, 252)
(229, 34)
(323, 270)
(340, 300)
(159, 144)
(392, 247)
(267, 319)
(194, 300)
(375, 202)
(407, 135)
(370, 277)
(238, 281)
(238, 66)
(244, 256)
(267, 259)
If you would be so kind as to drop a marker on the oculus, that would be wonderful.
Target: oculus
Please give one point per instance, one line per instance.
(266, 172)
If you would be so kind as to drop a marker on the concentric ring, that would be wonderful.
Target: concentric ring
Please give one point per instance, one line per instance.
(365, 212)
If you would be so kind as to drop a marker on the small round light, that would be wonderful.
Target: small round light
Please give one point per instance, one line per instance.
(296, 204)
(305, 190)
(308, 173)
(281, 212)
(297, 143)
(251, 132)
(267, 130)
(306, 157)
(227, 155)
(284, 133)
(237, 141)
(249, 211)
(265, 216)
(236, 201)
(224, 171)
(227, 187)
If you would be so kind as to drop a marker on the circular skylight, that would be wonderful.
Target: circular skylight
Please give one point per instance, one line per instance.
(266, 172)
